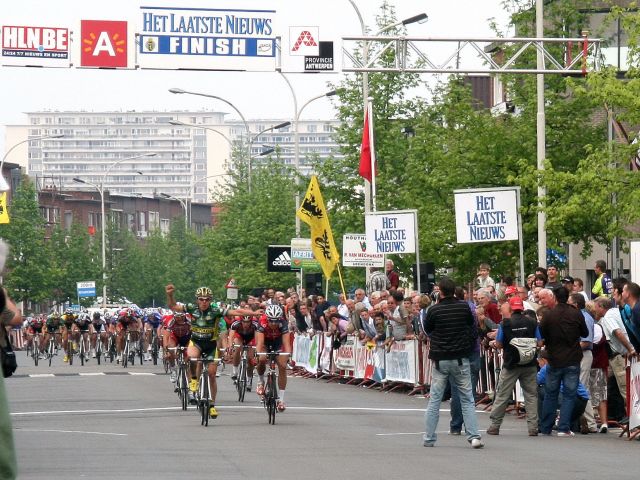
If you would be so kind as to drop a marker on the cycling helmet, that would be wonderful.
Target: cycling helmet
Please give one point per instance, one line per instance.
(96, 316)
(68, 311)
(273, 312)
(204, 292)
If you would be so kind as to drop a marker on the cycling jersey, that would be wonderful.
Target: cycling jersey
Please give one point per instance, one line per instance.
(154, 319)
(69, 319)
(35, 326)
(245, 331)
(83, 324)
(273, 330)
(53, 324)
(206, 325)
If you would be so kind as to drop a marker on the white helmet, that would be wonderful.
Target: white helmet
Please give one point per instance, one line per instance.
(273, 312)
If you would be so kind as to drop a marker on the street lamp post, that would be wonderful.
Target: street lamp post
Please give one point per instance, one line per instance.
(3, 186)
(249, 140)
(100, 189)
(184, 207)
(296, 139)
(420, 18)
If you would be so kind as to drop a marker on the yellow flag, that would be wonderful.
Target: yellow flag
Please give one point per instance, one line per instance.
(313, 212)
(4, 214)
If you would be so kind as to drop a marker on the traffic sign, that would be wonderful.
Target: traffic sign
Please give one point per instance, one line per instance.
(86, 289)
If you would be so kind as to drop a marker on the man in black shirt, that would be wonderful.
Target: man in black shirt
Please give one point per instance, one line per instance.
(561, 327)
(450, 325)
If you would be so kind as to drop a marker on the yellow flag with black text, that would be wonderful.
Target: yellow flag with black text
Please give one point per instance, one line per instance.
(313, 212)
(4, 214)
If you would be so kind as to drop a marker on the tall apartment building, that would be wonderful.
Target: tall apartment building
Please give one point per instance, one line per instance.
(179, 159)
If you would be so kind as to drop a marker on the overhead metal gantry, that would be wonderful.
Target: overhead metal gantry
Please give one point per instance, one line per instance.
(424, 55)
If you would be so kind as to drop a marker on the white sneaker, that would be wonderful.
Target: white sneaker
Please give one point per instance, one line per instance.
(476, 443)
(93, 355)
(147, 357)
(173, 376)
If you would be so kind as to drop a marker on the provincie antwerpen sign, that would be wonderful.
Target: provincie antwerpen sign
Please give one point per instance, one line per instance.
(486, 216)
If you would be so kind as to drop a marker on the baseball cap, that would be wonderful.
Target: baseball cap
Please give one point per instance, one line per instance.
(567, 279)
(511, 290)
(516, 303)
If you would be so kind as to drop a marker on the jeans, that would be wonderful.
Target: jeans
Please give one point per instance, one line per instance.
(569, 377)
(456, 411)
(458, 372)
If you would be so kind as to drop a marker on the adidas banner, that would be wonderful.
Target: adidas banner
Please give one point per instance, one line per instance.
(279, 258)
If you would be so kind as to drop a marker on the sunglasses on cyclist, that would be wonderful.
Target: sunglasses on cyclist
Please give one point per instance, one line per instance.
(204, 299)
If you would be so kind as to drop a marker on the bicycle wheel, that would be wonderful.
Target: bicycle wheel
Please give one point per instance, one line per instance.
(184, 389)
(125, 354)
(36, 350)
(111, 349)
(81, 350)
(141, 351)
(98, 349)
(205, 403)
(271, 393)
(154, 349)
(242, 380)
(71, 351)
(51, 350)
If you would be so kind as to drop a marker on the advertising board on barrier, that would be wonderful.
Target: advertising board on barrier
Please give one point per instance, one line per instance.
(26, 46)
(279, 258)
(345, 356)
(486, 216)
(178, 38)
(355, 252)
(634, 397)
(400, 362)
(301, 348)
(324, 364)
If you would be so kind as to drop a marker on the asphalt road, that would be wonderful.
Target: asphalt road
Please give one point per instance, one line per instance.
(108, 422)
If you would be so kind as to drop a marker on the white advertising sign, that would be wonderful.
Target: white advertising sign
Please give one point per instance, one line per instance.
(391, 232)
(355, 252)
(400, 362)
(345, 355)
(35, 46)
(486, 216)
(178, 38)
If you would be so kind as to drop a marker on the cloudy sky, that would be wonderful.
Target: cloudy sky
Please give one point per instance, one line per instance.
(256, 94)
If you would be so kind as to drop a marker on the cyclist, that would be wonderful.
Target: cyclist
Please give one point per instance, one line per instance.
(83, 323)
(34, 327)
(53, 326)
(207, 323)
(177, 332)
(68, 319)
(243, 332)
(273, 336)
(127, 321)
(98, 329)
(152, 321)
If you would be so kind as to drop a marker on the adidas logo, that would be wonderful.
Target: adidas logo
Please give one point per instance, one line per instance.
(283, 260)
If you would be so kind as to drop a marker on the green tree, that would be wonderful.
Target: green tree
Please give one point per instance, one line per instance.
(28, 276)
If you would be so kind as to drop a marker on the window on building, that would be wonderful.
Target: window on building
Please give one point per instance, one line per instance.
(142, 223)
(68, 219)
(131, 222)
(312, 128)
(165, 226)
(154, 220)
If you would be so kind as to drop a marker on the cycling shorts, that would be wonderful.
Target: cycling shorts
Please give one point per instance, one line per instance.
(83, 327)
(207, 348)
(100, 327)
(182, 341)
(245, 339)
(273, 345)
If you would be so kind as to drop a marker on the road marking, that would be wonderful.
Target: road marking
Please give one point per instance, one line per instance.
(91, 374)
(141, 373)
(399, 433)
(124, 410)
(70, 431)
(41, 375)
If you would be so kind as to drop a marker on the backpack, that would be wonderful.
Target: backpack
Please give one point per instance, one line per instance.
(526, 348)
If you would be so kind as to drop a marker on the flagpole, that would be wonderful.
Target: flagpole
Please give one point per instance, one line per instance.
(341, 281)
(373, 154)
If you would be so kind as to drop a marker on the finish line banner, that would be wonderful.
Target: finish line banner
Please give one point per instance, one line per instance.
(176, 38)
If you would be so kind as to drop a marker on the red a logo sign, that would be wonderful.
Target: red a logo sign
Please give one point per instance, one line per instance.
(305, 38)
(104, 43)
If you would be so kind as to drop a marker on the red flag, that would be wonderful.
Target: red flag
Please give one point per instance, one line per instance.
(365, 150)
